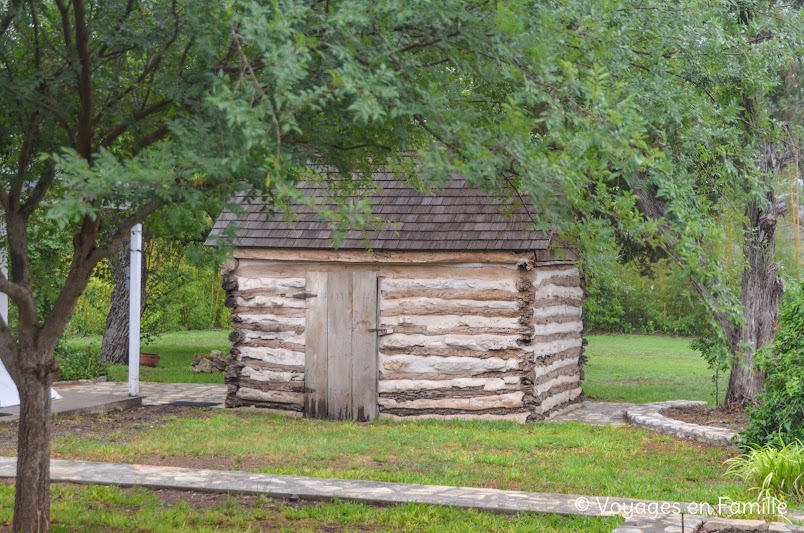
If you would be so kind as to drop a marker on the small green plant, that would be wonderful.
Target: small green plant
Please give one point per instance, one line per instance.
(771, 471)
(714, 351)
(83, 363)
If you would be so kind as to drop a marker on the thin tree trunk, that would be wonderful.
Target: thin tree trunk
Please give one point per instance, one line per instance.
(114, 347)
(32, 499)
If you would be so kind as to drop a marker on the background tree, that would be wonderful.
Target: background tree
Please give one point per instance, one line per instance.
(168, 241)
(658, 123)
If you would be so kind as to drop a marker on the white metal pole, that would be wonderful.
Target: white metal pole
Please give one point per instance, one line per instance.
(135, 291)
(4, 269)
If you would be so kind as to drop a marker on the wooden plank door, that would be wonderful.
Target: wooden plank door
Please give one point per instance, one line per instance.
(341, 346)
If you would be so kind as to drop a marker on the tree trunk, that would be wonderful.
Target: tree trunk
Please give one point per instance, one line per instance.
(762, 290)
(762, 293)
(114, 347)
(32, 499)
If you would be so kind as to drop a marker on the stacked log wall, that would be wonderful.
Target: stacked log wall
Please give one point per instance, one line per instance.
(458, 344)
(557, 340)
(266, 366)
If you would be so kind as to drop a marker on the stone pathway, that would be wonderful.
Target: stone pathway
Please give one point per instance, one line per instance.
(648, 416)
(308, 488)
(190, 394)
(374, 492)
(644, 415)
(597, 413)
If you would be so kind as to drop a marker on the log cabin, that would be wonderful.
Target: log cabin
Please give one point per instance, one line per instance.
(455, 308)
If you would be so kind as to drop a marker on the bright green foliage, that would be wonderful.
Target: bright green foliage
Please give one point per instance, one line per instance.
(79, 363)
(715, 352)
(630, 298)
(183, 287)
(774, 471)
(780, 413)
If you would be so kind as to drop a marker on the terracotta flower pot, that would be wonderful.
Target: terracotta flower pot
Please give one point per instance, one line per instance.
(149, 359)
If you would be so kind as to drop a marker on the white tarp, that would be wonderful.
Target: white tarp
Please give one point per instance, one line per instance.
(9, 396)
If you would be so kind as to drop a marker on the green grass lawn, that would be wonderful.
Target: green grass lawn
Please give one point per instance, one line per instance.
(98, 508)
(176, 351)
(641, 368)
(569, 458)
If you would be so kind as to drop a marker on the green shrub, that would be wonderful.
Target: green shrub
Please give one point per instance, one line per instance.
(633, 298)
(780, 411)
(84, 363)
(773, 471)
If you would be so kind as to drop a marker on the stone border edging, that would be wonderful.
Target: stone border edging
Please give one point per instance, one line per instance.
(649, 416)
(67, 383)
(697, 524)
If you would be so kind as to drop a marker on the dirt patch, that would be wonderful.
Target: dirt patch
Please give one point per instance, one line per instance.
(733, 418)
(210, 462)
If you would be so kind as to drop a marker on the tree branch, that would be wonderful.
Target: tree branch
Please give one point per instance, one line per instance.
(9, 351)
(122, 234)
(148, 140)
(18, 285)
(81, 266)
(37, 44)
(144, 113)
(40, 190)
(66, 27)
(117, 26)
(84, 136)
(19, 294)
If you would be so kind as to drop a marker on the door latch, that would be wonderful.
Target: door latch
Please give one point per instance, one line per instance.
(381, 331)
(303, 295)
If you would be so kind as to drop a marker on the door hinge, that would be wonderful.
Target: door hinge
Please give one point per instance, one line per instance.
(303, 295)
(381, 331)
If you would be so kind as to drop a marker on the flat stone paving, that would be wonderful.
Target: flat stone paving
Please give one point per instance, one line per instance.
(80, 402)
(606, 413)
(370, 492)
(213, 394)
(201, 394)
(308, 488)
(664, 524)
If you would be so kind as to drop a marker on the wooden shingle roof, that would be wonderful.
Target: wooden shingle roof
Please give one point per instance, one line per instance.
(456, 218)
